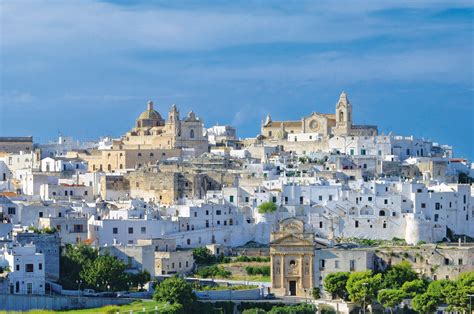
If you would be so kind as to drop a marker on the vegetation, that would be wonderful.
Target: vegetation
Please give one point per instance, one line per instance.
(399, 274)
(316, 293)
(335, 283)
(400, 282)
(175, 290)
(203, 256)
(213, 271)
(258, 270)
(259, 259)
(267, 207)
(235, 287)
(302, 308)
(83, 267)
(46, 230)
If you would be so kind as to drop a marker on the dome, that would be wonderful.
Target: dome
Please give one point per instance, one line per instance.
(150, 113)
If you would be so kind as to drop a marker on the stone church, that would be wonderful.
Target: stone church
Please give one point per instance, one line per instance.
(153, 132)
(320, 124)
(292, 259)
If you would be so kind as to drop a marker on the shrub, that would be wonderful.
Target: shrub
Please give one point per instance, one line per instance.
(267, 207)
(258, 270)
(213, 271)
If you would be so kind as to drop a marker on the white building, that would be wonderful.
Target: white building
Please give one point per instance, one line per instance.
(26, 269)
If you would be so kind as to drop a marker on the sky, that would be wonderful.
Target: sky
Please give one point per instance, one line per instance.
(87, 68)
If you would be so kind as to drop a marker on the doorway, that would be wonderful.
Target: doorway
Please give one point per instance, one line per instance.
(292, 287)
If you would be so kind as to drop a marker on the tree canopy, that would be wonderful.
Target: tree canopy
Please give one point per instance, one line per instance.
(267, 207)
(175, 290)
(335, 283)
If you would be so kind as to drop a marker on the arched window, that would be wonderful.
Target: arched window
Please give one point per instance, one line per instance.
(341, 116)
(191, 134)
(109, 167)
(382, 212)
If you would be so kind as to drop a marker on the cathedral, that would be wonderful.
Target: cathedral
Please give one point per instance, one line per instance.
(321, 125)
(151, 131)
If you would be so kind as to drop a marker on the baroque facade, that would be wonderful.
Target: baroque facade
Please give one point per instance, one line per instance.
(292, 256)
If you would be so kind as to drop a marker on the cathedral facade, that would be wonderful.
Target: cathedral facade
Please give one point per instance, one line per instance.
(321, 125)
(151, 131)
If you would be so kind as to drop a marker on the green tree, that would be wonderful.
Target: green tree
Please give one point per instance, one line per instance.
(398, 274)
(456, 293)
(414, 287)
(363, 286)
(426, 303)
(390, 298)
(175, 290)
(267, 207)
(335, 283)
(105, 272)
(316, 293)
(203, 256)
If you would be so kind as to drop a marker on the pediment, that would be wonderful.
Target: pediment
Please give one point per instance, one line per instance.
(290, 240)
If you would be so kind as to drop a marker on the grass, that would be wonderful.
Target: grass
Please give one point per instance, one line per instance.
(136, 306)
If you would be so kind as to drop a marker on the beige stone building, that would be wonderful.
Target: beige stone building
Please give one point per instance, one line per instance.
(151, 139)
(318, 124)
(292, 259)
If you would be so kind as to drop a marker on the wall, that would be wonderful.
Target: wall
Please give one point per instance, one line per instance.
(9, 302)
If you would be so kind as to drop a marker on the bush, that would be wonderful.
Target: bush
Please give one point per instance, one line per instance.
(267, 207)
(203, 256)
(258, 270)
(259, 259)
(175, 290)
(213, 271)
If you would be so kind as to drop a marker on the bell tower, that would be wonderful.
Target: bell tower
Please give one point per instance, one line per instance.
(343, 115)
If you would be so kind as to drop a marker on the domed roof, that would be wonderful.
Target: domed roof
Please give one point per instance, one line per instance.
(150, 113)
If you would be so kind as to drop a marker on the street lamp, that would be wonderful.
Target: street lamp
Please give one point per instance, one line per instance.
(365, 284)
(470, 302)
(79, 282)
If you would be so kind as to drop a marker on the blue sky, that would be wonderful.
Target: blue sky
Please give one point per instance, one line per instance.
(87, 68)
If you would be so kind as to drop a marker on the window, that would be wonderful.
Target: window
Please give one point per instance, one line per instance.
(12, 211)
(382, 213)
(286, 199)
(385, 201)
(207, 213)
(423, 205)
(218, 212)
(460, 261)
(139, 154)
(384, 225)
(40, 266)
(195, 214)
(292, 263)
(274, 199)
(29, 268)
(320, 197)
(188, 241)
(301, 199)
(85, 193)
(362, 151)
(369, 198)
(322, 264)
(437, 206)
(17, 267)
(446, 261)
(320, 224)
(231, 198)
(207, 223)
(115, 230)
(130, 230)
(143, 230)
(436, 217)
(330, 197)
(357, 224)
(191, 134)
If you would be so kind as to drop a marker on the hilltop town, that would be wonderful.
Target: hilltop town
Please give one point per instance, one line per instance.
(277, 213)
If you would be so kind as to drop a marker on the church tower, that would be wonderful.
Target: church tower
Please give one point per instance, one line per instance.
(343, 116)
(173, 121)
